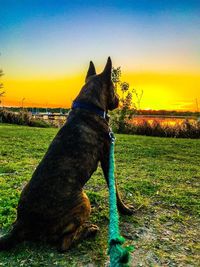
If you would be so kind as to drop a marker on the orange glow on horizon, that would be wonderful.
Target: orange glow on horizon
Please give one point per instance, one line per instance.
(161, 91)
(165, 91)
(54, 92)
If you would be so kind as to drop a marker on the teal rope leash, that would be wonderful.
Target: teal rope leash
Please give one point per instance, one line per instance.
(119, 256)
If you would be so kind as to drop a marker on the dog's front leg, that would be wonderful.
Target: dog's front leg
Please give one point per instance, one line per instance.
(122, 208)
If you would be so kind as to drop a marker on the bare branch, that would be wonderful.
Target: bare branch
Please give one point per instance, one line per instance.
(2, 94)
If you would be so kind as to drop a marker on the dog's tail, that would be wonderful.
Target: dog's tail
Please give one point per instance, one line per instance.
(15, 236)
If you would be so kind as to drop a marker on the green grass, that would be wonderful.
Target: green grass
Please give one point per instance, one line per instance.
(159, 175)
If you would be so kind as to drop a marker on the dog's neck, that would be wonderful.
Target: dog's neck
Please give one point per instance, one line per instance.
(91, 108)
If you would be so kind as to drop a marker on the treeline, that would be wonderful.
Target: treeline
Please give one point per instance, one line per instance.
(140, 112)
(39, 110)
(168, 113)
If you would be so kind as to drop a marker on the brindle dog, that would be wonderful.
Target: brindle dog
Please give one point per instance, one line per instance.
(53, 206)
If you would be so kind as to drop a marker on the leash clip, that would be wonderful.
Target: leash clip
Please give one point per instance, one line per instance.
(112, 137)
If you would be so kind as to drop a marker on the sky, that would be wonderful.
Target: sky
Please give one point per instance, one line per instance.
(46, 47)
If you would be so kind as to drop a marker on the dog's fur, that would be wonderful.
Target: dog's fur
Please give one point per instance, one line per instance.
(53, 205)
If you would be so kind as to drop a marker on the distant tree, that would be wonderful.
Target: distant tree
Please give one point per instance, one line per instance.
(2, 93)
(130, 100)
(115, 76)
(1, 74)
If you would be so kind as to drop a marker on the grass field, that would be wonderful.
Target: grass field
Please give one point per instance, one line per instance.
(159, 175)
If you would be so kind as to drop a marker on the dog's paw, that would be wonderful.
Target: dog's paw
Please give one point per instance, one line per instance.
(90, 231)
(127, 209)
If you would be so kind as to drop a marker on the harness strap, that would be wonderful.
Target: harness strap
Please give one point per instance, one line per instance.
(90, 107)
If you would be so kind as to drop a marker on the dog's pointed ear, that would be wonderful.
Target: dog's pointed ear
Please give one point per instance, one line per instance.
(106, 74)
(91, 70)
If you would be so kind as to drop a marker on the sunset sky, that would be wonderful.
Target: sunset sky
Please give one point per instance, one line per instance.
(46, 47)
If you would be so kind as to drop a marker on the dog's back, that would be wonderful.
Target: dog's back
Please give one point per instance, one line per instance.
(68, 164)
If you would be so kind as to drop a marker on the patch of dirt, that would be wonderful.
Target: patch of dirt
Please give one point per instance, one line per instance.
(158, 243)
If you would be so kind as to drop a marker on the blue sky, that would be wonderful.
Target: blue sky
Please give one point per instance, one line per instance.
(51, 39)
(78, 30)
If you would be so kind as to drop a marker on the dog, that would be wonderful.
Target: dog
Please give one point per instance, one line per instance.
(53, 206)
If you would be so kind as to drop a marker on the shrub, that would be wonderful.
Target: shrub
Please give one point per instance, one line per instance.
(21, 118)
(186, 129)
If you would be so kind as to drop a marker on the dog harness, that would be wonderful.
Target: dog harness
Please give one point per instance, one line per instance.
(90, 107)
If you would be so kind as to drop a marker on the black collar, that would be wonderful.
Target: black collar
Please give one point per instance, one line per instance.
(90, 107)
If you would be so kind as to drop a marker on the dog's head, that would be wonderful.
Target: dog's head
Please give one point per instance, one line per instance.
(99, 89)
